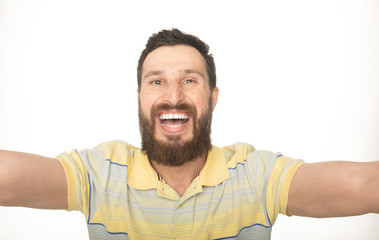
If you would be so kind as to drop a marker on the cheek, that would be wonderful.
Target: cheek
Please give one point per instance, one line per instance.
(146, 101)
(201, 101)
(145, 109)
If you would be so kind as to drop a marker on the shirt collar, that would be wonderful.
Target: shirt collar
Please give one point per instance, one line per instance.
(142, 176)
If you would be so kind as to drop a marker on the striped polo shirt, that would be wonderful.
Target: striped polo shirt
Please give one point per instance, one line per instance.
(237, 194)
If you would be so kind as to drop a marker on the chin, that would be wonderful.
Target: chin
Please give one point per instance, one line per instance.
(178, 139)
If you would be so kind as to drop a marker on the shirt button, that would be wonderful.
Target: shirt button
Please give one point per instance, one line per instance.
(180, 205)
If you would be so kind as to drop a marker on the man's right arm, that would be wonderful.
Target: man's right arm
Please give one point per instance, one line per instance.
(28, 180)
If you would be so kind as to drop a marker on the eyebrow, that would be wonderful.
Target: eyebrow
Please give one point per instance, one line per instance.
(152, 73)
(193, 71)
(186, 71)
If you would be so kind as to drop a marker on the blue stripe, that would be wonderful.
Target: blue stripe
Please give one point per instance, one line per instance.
(89, 199)
(268, 218)
(118, 164)
(244, 161)
(100, 224)
(257, 224)
(89, 209)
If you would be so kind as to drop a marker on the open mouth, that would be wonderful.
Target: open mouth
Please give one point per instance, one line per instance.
(173, 120)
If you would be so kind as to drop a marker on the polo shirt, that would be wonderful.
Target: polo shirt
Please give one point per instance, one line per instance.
(237, 195)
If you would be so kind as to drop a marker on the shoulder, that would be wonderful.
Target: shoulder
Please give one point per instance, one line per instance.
(241, 153)
(116, 148)
(118, 152)
(259, 164)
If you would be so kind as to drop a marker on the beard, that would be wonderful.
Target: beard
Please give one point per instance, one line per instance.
(174, 151)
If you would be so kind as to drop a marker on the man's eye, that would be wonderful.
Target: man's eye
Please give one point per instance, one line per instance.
(156, 82)
(189, 81)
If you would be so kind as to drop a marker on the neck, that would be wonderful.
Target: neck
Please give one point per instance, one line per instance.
(180, 178)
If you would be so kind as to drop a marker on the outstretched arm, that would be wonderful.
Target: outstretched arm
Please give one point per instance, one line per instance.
(334, 189)
(29, 180)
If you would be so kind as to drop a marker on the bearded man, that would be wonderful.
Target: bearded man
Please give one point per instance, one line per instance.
(178, 185)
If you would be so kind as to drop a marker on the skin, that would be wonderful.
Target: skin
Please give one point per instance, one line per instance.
(34, 181)
(173, 75)
(334, 189)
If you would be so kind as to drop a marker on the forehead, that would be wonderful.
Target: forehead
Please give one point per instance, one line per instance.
(174, 59)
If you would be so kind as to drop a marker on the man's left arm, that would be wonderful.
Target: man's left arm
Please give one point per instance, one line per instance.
(334, 189)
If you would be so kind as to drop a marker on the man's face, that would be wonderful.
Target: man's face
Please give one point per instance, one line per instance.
(175, 94)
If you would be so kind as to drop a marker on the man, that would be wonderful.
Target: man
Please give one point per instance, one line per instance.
(178, 185)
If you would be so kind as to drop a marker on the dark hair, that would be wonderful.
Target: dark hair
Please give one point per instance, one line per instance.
(176, 37)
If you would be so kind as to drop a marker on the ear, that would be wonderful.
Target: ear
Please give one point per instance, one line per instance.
(214, 97)
(138, 92)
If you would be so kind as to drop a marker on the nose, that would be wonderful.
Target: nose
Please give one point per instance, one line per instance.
(173, 93)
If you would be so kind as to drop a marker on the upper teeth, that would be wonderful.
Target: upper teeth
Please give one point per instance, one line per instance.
(173, 116)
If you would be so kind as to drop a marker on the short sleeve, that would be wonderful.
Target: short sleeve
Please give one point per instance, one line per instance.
(88, 171)
(278, 185)
(77, 181)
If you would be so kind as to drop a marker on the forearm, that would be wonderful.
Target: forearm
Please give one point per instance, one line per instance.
(31, 181)
(373, 188)
(334, 189)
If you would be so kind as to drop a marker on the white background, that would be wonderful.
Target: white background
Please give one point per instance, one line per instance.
(299, 77)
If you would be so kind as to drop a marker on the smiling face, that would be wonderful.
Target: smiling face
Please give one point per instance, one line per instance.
(175, 101)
